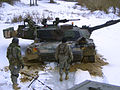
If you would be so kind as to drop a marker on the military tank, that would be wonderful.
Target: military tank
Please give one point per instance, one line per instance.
(48, 36)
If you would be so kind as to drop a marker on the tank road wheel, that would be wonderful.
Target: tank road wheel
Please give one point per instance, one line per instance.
(29, 51)
(30, 55)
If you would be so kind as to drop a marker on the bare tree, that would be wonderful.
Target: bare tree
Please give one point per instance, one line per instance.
(30, 3)
(36, 2)
(52, 1)
(33, 2)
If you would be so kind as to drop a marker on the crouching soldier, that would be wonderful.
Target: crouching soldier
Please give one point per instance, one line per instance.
(64, 56)
(15, 61)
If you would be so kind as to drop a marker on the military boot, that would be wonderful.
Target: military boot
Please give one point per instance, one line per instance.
(66, 77)
(15, 87)
(61, 79)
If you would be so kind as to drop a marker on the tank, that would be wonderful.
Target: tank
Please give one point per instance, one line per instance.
(48, 36)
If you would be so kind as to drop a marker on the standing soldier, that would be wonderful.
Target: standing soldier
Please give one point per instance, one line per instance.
(64, 56)
(15, 61)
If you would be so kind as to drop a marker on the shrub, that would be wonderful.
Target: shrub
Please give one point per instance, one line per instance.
(8, 1)
(35, 16)
(100, 4)
(17, 19)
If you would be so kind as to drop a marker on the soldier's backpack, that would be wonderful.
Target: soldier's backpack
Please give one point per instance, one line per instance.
(11, 52)
(62, 48)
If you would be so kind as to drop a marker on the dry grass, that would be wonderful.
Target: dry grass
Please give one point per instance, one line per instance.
(35, 16)
(94, 69)
(21, 18)
(100, 4)
(17, 19)
(8, 1)
(25, 79)
(31, 70)
(33, 67)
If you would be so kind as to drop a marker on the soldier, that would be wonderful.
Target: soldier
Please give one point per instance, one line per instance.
(64, 56)
(30, 22)
(15, 61)
(32, 27)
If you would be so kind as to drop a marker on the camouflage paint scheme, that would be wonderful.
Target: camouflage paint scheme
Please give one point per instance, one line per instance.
(48, 36)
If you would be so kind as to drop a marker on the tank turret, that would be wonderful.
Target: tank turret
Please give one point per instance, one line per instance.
(52, 32)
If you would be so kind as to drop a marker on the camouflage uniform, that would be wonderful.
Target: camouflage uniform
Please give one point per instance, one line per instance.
(64, 56)
(32, 26)
(15, 61)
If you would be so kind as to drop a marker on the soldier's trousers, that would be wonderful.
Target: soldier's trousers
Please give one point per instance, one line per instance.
(63, 64)
(14, 73)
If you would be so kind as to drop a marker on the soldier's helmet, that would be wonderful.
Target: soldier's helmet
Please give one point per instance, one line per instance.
(15, 40)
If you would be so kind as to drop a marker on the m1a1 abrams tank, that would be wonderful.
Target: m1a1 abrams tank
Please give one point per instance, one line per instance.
(48, 36)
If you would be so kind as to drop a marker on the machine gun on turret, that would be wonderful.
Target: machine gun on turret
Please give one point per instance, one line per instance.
(57, 21)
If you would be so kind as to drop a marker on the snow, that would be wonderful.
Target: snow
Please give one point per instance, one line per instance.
(108, 45)
(106, 41)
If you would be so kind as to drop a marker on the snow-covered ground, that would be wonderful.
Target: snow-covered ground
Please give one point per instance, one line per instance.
(106, 41)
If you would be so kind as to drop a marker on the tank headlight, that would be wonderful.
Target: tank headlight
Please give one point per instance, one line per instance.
(34, 49)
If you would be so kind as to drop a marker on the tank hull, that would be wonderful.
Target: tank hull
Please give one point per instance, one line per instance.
(46, 52)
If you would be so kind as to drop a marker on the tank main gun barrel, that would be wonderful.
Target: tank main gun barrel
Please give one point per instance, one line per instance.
(57, 21)
(108, 23)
